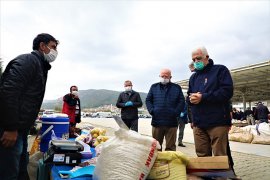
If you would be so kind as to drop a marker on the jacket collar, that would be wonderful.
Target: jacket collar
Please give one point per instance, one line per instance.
(41, 57)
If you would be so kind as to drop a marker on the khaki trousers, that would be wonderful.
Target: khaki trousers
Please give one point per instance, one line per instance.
(170, 136)
(211, 141)
(250, 120)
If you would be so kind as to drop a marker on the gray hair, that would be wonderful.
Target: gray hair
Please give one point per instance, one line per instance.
(191, 64)
(203, 49)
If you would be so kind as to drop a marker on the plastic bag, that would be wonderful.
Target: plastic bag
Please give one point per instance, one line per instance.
(35, 146)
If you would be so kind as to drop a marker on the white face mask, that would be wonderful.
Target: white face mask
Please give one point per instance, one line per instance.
(75, 93)
(51, 56)
(128, 88)
(164, 81)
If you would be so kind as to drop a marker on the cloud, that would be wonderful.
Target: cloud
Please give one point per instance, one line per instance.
(104, 43)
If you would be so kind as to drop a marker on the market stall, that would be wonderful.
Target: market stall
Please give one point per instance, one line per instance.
(125, 155)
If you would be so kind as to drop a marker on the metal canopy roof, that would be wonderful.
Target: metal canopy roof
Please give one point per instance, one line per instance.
(251, 83)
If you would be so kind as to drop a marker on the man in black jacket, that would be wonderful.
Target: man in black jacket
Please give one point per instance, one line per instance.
(22, 88)
(129, 101)
(262, 112)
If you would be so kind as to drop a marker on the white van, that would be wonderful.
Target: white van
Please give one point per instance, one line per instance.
(104, 114)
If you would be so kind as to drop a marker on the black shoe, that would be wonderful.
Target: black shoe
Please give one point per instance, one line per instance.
(181, 144)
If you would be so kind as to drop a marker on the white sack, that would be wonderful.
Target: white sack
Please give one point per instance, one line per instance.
(126, 156)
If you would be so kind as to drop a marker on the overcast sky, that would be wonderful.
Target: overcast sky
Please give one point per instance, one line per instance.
(104, 43)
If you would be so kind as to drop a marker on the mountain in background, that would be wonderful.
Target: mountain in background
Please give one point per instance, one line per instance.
(91, 98)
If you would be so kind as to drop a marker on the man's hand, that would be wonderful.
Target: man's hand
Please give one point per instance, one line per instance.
(195, 98)
(129, 103)
(9, 138)
(191, 125)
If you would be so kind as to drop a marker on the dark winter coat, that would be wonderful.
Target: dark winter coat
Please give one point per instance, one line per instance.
(215, 84)
(165, 103)
(262, 112)
(129, 112)
(22, 88)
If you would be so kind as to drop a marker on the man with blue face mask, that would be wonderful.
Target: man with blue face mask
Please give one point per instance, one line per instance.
(165, 101)
(129, 101)
(22, 88)
(210, 91)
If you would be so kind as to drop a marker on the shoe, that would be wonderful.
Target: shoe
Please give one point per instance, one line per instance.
(181, 144)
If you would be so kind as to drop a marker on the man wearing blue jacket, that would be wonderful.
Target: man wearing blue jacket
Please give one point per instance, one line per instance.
(210, 91)
(165, 101)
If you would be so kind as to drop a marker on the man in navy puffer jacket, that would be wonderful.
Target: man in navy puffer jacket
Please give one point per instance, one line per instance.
(165, 101)
(210, 91)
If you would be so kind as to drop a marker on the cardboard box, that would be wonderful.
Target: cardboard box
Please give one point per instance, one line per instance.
(215, 162)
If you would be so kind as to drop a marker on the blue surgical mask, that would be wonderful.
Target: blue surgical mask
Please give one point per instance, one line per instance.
(199, 65)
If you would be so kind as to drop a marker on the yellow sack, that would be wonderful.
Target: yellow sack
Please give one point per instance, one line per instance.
(169, 165)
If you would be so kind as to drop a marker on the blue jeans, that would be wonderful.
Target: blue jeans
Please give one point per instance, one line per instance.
(14, 160)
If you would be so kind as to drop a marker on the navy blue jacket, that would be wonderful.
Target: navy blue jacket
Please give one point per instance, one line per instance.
(215, 84)
(165, 103)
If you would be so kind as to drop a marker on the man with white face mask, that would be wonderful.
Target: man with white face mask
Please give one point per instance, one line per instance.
(129, 101)
(165, 101)
(22, 88)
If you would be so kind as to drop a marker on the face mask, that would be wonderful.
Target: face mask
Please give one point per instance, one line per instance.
(128, 88)
(51, 56)
(75, 93)
(164, 81)
(199, 65)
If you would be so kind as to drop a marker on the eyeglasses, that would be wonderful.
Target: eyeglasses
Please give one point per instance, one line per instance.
(197, 58)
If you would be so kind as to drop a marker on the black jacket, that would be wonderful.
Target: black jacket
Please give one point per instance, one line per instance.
(262, 112)
(130, 112)
(22, 88)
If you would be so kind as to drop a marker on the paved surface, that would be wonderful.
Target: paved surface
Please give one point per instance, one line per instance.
(252, 161)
